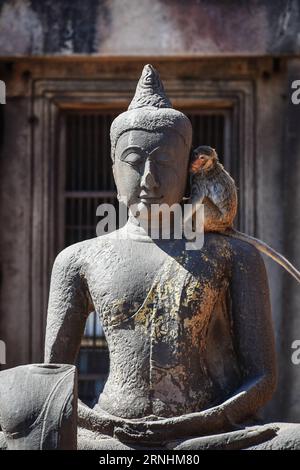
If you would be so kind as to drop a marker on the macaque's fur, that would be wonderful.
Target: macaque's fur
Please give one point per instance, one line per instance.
(213, 186)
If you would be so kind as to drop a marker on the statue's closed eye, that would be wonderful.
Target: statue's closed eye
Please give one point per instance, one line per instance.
(133, 155)
(132, 159)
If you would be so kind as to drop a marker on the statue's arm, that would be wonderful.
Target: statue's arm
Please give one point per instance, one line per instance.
(252, 332)
(254, 343)
(68, 308)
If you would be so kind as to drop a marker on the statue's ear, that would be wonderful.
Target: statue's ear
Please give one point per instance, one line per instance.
(192, 156)
(187, 192)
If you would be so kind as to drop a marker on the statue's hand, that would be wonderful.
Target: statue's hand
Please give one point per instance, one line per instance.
(157, 430)
(162, 430)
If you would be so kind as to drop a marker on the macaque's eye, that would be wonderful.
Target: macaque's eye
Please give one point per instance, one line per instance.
(133, 159)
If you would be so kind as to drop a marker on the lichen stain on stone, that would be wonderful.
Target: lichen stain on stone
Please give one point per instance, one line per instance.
(203, 30)
(68, 26)
(242, 267)
(21, 30)
(170, 384)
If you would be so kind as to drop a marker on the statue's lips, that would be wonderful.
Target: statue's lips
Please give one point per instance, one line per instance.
(150, 200)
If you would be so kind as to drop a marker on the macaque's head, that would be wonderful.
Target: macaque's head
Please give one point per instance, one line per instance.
(204, 158)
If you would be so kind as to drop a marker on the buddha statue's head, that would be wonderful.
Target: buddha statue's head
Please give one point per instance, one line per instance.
(150, 145)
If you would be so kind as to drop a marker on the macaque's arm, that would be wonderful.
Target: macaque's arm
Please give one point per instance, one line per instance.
(68, 308)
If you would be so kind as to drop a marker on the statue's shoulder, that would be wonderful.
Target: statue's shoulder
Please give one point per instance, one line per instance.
(76, 256)
(245, 254)
(232, 248)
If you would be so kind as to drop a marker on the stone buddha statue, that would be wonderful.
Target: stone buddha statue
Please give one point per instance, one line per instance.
(189, 332)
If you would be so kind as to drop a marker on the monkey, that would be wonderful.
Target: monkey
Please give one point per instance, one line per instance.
(214, 187)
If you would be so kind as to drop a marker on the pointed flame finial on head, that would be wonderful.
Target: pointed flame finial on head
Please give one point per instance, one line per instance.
(150, 91)
(150, 111)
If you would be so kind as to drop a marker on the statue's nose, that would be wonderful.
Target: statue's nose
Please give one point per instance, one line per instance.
(149, 178)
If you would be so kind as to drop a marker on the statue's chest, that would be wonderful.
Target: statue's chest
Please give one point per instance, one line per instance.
(153, 286)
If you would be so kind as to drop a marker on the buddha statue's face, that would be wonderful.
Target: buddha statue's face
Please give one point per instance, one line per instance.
(151, 167)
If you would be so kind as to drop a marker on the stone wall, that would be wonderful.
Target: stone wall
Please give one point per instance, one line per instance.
(149, 27)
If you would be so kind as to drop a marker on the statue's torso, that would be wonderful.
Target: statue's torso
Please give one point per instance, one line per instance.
(161, 310)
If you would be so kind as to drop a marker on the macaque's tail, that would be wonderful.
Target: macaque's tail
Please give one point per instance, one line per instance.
(267, 250)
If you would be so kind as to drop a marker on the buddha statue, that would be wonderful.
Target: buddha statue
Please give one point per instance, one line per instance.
(189, 332)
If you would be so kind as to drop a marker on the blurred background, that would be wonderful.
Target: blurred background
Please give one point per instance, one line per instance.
(69, 68)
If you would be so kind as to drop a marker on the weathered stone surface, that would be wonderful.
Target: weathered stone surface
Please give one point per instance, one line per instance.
(289, 396)
(147, 27)
(15, 206)
(38, 407)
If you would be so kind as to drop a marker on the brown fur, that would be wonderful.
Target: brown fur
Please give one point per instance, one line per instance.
(213, 186)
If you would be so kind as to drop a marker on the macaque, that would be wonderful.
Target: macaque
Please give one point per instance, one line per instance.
(213, 186)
